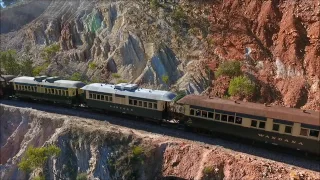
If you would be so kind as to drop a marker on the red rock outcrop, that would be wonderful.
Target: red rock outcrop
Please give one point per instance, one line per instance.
(283, 36)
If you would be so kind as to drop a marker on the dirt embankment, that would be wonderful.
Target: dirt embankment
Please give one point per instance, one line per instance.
(100, 149)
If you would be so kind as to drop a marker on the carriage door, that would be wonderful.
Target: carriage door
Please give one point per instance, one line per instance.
(119, 99)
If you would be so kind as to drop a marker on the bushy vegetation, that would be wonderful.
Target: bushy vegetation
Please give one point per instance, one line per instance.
(241, 86)
(38, 69)
(208, 170)
(229, 68)
(116, 75)
(82, 176)
(76, 77)
(50, 51)
(37, 157)
(180, 94)
(92, 66)
(9, 62)
(165, 79)
(39, 178)
(121, 81)
(154, 4)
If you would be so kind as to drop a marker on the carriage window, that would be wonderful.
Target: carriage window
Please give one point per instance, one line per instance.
(288, 129)
(139, 103)
(66, 93)
(98, 96)
(238, 120)
(94, 96)
(275, 127)
(135, 102)
(254, 123)
(224, 117)
(130, 101)
(204, 114)
(210, 115)
(231, 119)
(262, 125)
(314, 133)
(52, 91)
(198, 113)
(191, 112)
(150, 105)
(90, 96)
(102, 97)
(304, 132)
(145, 104)
(45, 90)
(155, 106)
(217, 117)
(110, 99)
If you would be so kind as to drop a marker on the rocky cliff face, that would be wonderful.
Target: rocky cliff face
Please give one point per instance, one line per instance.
(136, 41)
(102, 150)
(101, 38)
(284, 39)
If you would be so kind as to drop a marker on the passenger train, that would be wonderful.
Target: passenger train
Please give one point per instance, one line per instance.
(286, 127)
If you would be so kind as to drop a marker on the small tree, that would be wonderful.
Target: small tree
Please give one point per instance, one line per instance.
(154, 4)
(37, 157)
(92, 65)
(76, 77)
(50, 51)
(9, 63)
(229, 68)
(82, 176)
(165, 79)
(241, 86)
(26, 67)
(180, 95)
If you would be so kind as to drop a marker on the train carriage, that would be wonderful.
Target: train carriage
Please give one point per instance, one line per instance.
(6, 88)
(129, 99)
(287, 127)
(48, 88)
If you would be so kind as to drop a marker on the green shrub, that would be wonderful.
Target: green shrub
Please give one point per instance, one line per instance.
(116, 75)
(208, 170)
(9, 62)
(37, 70)
(92, 66)
(121, 81)
(137, 151)
(50, 51)
(154, 4)
(180, 95)
(165, 79)
(229, 68)
(36, 157)
(241, 86)
(76, 77)
(82, 176)
(39, 178)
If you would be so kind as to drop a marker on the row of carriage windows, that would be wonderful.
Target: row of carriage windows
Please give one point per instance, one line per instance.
(144, 104)
(100, 97)
(26, 88)
(53, 91)
(58, 92)
(216, 116)
(254, 123)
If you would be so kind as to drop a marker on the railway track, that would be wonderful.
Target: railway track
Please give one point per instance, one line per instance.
(177, 131)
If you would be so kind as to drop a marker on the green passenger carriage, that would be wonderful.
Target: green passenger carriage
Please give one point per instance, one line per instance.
(129, 99)
(48, 88)
(287, 127)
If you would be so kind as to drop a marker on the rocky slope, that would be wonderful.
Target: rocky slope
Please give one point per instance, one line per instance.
(137, 41)
(99, 38)
(103, 150)
(285, 43)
